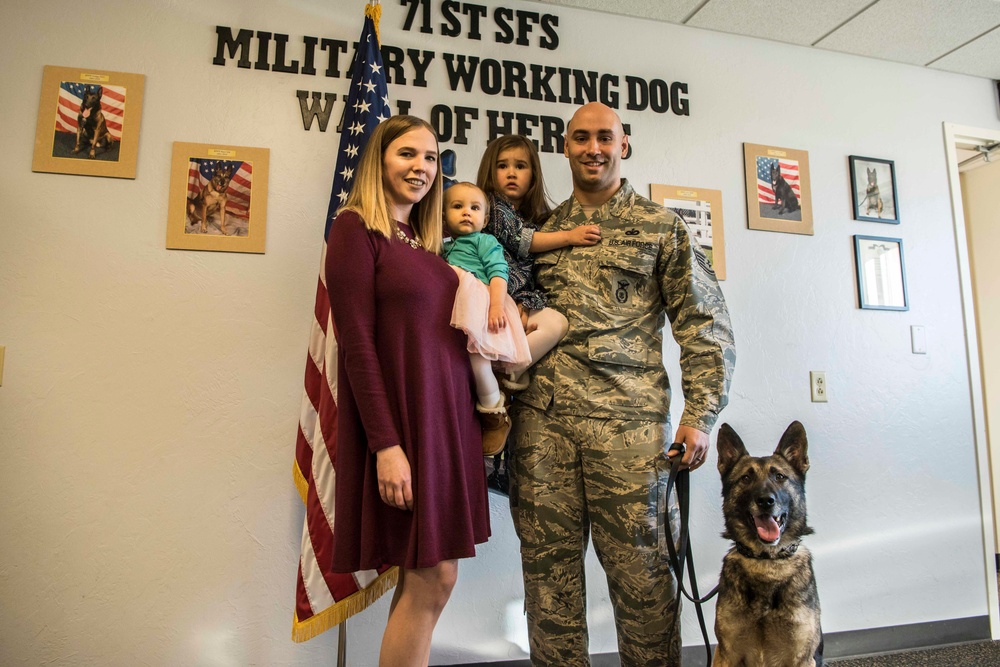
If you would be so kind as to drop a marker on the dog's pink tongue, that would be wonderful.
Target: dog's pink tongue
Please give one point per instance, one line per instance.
(767, 528)
(86, 113)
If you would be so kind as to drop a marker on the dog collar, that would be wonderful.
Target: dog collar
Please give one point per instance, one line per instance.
(787, 552)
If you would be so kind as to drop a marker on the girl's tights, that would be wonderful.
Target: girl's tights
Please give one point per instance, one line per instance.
(549, 327)
(546, 326)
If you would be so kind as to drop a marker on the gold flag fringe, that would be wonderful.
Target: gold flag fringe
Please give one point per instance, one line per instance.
(339, 612)
(300, 481)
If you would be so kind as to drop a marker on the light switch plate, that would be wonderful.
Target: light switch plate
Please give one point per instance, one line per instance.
(918, 339)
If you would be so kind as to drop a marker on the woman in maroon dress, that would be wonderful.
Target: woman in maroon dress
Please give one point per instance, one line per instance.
(411, 488)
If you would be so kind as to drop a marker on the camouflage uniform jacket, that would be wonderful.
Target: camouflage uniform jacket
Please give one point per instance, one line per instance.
(616, 296)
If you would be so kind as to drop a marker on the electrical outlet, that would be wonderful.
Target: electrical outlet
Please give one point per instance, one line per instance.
(817, 384)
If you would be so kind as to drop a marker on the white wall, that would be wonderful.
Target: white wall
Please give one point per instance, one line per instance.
(150, 397)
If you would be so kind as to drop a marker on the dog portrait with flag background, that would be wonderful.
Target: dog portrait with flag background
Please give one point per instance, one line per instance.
(777, 189)
(88, 122)
(218, 198)
(89, 116)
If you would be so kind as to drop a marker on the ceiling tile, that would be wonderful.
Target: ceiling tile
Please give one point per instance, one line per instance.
(978, 58)
(672, 11)
(790, 21)
(914, 31)
(950, 35)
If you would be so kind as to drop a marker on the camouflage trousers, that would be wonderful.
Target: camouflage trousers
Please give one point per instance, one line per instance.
(576, 476)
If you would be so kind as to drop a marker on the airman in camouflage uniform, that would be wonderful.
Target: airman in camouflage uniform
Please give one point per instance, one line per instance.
(591, 430)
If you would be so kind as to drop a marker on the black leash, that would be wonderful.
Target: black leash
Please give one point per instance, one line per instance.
(681, 479)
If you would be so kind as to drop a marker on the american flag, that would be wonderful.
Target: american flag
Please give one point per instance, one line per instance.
(789, 171)
(112, 106)
(323, 598)
(201, 170)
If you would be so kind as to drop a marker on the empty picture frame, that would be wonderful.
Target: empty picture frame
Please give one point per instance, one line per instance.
(779, 198)
(881, 273)
(701, 209)
(873, 189)
(88, 122)
(218, 198)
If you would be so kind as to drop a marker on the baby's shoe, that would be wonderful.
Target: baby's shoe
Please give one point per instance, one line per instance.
(496, 426)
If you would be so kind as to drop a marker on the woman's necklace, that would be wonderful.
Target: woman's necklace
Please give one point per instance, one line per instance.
(413, 243)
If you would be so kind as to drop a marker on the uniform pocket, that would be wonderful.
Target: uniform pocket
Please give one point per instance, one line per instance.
(627, 277)
(628, 258)
(619, 370)
(619, 348)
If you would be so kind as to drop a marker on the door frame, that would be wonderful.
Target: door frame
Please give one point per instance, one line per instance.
(953, 135)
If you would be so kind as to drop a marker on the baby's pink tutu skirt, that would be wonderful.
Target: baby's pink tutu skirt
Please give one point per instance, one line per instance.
(509, 346)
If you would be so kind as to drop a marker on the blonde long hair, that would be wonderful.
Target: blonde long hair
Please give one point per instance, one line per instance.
(367, 197)
(535, 205)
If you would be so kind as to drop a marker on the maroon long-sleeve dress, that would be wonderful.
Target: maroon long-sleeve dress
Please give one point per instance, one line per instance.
(403, 378)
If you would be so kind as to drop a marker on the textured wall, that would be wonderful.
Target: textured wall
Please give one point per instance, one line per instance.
(150, 397)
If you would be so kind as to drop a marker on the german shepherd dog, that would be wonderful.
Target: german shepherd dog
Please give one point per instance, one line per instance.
(785, 200)
(212, 198)
(873, 200)
(768, 609)
(91, 127)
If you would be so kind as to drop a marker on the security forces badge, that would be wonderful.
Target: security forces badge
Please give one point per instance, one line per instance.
(631, 259)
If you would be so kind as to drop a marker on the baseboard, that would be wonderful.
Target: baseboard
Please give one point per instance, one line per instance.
(906, 637)
(850, 644)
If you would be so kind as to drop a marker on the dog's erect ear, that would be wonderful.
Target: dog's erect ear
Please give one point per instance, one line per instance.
(731, 448)
(794, 447)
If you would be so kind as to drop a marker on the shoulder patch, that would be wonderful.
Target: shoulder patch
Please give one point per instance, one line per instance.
(703, 262)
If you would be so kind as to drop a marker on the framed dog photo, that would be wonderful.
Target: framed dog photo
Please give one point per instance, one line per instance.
(873, 187)
(778, 195)
(701, 209)
(881, 274)
(218, 198)
(88, 122)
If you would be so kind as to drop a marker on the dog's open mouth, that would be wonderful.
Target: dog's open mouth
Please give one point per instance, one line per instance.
(769, 527)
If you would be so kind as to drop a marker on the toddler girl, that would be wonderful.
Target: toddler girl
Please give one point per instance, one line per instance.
(483, 309)
(511, 176)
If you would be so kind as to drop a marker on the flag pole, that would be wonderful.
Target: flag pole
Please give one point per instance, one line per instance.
(342, 645)
(324, 598)
(376, 8)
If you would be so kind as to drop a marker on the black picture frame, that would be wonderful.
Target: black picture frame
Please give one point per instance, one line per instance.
(878, 195)
(881, 273)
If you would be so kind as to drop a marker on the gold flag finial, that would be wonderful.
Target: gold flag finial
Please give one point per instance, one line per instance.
(373, 10)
